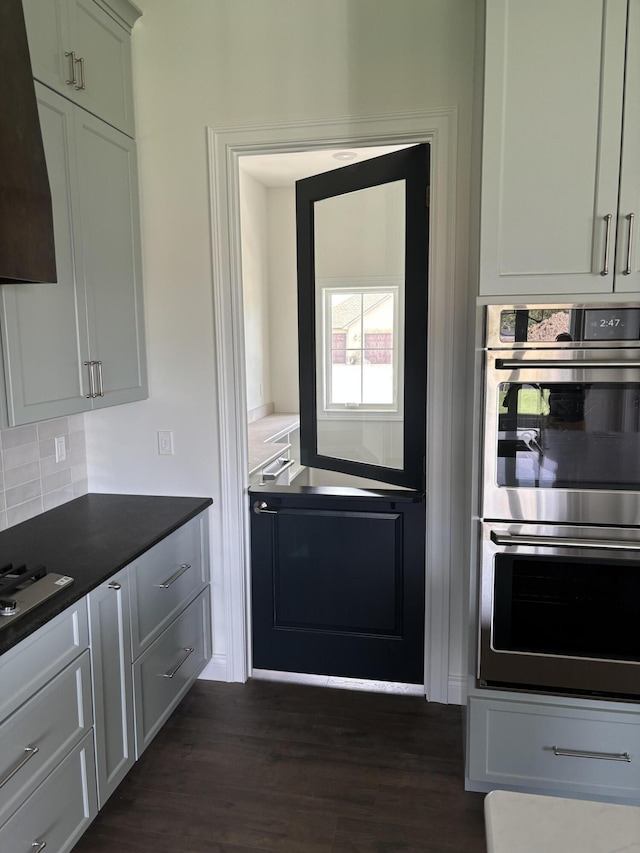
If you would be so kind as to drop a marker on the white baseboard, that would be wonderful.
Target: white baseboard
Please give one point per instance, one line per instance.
(216, 669)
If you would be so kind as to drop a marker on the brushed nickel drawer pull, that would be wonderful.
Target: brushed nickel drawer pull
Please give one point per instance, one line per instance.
(71, 54)
(30, 752)
(174, 577)
(577, 753)
(176, 668)
(273, 475)
(100, 381)
(80, 61)
(607, 242)
(38, 846)
(114, 585)
(627, 270)
(92, 380)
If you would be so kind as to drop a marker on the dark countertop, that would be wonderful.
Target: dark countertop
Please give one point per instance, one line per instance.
(89, 539)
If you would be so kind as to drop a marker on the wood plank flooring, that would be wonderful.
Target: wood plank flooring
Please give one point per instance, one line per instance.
(262, 766)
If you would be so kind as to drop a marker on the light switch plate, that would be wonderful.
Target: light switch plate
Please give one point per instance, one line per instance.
(165, 442)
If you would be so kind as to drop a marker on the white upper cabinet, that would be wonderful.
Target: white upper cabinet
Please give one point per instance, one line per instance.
(111, 265)
(554, 210)
(83, 51)
(79, 344)
(44, 328)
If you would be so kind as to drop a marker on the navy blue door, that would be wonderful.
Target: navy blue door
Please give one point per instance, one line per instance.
(338, 582)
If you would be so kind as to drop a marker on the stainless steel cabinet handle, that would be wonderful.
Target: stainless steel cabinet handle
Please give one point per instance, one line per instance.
(631, 219)
(176, 668)
(71, 54)
(30, 751)
(80, 62)
(100, 382)
(38, 846)
(174, 577)
(114, 585)
(563, 364)
(273, 475)
(92, 380)
(578, 753)
(260, 508)
(563, 542)
(607, 242)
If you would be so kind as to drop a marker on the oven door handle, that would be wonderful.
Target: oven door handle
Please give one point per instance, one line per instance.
(562, 542)
(563, 364)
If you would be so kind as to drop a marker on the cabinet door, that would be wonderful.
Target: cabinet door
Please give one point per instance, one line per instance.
(112, 682)
(49, 37)
(104, 72)
(79, 50)
(628, 251)
(551, 145)
(44, 334)
(111, 257)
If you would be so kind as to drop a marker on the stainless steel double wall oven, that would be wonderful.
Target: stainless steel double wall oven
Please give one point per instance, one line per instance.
(560, 574)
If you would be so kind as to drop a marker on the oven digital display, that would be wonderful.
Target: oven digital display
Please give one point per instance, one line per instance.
(622, 324)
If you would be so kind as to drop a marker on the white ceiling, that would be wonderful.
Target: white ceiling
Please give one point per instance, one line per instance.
(283, 170)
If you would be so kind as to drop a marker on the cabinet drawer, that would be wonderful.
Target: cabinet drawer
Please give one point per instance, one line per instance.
(165, 578)
(60, 810)
(164, 673)
(42, 731)
(28, 666)
(512, 744)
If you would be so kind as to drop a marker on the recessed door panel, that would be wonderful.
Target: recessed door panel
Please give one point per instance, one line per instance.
(338, 571)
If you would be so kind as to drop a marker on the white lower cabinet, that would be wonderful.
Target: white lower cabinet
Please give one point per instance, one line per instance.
(568, 747)
(30, 746)
(71, 723)
(47, 771)
(110, 631)
(60, 810)
(164, 673)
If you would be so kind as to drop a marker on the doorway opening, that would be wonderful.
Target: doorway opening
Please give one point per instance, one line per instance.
(338, 577)
(226, 147)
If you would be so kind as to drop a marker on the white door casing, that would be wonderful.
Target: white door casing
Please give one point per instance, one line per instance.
(225, 147)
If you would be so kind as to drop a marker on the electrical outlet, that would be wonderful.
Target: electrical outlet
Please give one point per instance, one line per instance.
(165, 442)
(61, 448)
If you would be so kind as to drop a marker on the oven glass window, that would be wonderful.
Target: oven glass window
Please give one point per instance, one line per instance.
(569, 435)
(569, 607)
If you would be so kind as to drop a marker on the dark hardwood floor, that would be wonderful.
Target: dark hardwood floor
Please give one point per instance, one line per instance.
(289, 769)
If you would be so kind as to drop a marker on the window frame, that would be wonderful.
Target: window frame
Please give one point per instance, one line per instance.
(412, 166)
(324, 290)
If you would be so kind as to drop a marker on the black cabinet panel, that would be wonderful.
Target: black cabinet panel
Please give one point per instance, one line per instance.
(338, 586)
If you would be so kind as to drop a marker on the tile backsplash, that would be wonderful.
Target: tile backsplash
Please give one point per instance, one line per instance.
(31, 481)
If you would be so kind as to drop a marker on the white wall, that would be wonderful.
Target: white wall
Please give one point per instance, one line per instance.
(221, 63)
(283, 301)
(255, 290)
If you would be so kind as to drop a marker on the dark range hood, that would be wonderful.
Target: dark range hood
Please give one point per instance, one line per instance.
(27, 252)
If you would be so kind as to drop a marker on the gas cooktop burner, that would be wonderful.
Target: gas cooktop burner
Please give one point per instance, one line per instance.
(22, 589)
